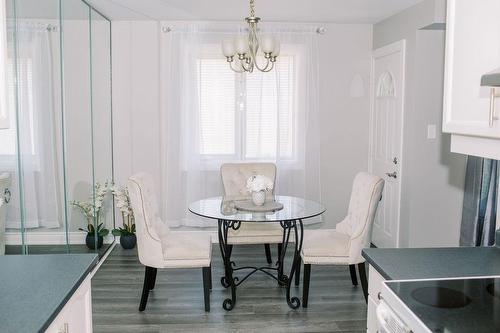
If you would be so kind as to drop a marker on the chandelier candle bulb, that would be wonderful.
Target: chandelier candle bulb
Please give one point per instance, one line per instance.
(276, 50)
(228, 48)
(241, 45)
(267, 44)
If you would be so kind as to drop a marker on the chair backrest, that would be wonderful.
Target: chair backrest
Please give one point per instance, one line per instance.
(235, 176)
(149, 227)
(366, 193)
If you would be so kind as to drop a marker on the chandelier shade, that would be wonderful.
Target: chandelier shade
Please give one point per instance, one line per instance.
(241, 52)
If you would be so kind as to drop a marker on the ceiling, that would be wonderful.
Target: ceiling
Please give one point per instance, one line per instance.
(338, 11)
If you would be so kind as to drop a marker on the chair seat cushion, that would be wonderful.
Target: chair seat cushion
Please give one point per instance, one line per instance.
(325, 243)
(181, 245)
(256, 233)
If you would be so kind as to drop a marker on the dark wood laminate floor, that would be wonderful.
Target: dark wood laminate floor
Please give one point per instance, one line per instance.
(176, 303)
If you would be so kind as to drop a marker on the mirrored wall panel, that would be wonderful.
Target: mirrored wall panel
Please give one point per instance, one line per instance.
(56, 155)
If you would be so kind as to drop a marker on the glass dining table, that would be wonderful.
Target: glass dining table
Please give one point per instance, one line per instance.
(290, 218)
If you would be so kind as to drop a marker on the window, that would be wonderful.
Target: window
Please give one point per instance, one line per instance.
(246, 116)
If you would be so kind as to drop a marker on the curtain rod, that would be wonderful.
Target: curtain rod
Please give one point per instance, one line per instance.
(167, 29)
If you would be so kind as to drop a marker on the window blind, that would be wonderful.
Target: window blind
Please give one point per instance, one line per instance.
(265, 102)
(217, 107)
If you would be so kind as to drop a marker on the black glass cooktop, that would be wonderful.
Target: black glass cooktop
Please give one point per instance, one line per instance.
(467, 305)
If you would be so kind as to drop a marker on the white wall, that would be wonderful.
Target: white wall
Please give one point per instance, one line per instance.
(344, 53)
(432, 189)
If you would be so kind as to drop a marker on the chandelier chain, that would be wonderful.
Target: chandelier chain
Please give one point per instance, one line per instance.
(252, 8)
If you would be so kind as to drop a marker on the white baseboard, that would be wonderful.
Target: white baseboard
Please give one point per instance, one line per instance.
(49, 238)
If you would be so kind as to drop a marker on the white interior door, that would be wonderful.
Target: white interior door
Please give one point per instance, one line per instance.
(386, 138)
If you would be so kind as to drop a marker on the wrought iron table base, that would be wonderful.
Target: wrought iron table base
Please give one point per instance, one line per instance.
(232, 282)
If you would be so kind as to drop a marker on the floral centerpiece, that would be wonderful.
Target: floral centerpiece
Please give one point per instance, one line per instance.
(127, 232)
(258, 186)
(91, 210)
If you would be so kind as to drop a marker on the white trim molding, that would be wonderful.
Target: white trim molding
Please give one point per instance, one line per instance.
(48, 238)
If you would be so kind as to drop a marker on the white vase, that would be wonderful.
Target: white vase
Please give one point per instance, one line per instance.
(259, 198)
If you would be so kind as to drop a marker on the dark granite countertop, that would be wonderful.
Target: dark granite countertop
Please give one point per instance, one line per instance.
(34, 288)
(428, 263)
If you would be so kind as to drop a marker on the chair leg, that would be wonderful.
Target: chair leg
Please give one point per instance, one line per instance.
(305, 289)
(148, 274)
(280, 248)
(297, 274)
(268, 254)
(206, 272)
(364, 282)
(153, 279)
(354, 278)
(230, 250)
(210, 276)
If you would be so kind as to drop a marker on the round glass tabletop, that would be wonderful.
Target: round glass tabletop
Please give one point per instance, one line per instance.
(293, 209)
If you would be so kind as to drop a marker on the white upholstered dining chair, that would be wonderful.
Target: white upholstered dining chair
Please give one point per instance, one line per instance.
(343, 245)
(234, 180)
(159, 247)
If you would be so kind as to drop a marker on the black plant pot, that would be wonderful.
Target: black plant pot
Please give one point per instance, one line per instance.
(90, 241)
(128, 241)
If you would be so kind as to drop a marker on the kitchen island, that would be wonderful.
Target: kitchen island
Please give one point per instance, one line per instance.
(41, 293)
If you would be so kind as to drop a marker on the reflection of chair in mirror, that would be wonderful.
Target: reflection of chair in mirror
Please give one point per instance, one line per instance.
(4, 200)
(159, 247)
(343, 245)
(234, 180)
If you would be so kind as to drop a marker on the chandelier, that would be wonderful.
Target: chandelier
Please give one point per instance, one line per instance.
(246, 48)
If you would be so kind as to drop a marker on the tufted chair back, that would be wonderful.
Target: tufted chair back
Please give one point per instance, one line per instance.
(149, 225)
(365, 196)
(235, 175)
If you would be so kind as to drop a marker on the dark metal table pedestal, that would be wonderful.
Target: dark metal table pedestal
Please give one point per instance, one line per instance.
(230, 267)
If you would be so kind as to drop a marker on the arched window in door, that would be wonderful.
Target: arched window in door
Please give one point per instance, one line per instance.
(385, 86)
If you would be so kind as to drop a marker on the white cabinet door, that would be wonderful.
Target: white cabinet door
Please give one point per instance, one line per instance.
(76, 315)
(374, 288)
(472, 49)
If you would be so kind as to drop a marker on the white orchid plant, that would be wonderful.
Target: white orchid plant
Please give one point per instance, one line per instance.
(123, 204)
(91, 209)
(259, 183)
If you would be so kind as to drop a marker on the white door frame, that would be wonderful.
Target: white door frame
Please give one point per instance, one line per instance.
(399, 46)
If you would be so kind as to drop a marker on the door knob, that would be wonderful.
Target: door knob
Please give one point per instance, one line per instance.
(7, 196)
(392, 174)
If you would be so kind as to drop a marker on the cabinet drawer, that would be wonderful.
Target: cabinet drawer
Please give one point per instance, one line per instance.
(374, 283)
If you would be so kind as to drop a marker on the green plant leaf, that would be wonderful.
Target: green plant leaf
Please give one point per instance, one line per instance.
(103, 232)
(116, 232)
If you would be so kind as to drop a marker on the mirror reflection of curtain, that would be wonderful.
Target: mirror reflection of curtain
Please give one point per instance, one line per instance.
(36, 101)
(480, 202)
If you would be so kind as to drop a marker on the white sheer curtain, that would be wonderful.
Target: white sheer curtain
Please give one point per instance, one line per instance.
(4, 115)
(34, 60)
(212, 115)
